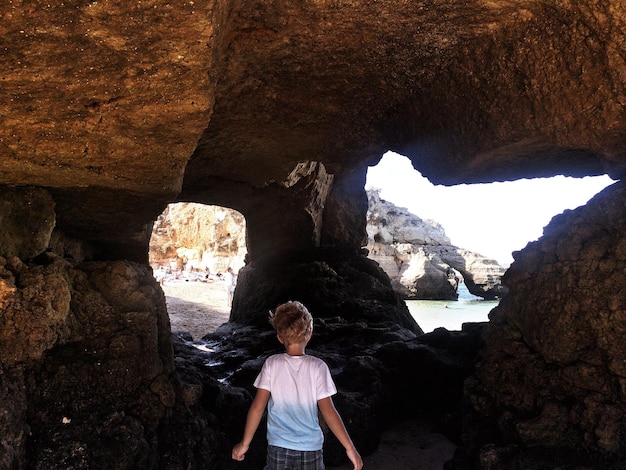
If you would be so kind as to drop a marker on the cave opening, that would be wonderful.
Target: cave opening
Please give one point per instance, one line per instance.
(413, 226)
(192, 248)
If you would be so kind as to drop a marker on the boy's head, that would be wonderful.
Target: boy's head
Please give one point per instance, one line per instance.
(293, 322)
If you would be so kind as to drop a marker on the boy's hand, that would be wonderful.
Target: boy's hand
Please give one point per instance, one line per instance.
(355, 458)
(239, 451)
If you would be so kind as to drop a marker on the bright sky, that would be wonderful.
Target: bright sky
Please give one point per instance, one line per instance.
(491, 219)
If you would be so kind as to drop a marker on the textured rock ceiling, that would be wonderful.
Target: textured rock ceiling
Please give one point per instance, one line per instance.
(117, 106)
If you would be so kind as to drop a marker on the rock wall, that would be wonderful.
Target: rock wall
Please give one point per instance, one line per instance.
(86, 359)
(551, 386)
(419, 258)
(86, 363)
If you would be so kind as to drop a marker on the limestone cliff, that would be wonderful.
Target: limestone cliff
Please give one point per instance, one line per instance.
(419, 258)
(207, 237)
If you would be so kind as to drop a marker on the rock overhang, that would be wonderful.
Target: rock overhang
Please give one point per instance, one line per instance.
(112, 103)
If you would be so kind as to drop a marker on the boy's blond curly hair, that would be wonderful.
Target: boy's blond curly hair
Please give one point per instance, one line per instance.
(292, 322)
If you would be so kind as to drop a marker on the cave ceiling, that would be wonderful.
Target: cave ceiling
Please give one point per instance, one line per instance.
(121, 107)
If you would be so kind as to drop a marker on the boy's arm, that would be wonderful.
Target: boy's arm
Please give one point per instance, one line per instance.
(255, 413)
(335, 423)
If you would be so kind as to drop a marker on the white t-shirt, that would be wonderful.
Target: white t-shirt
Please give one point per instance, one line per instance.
(295, 383)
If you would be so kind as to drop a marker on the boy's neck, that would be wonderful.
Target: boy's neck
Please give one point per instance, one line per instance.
(296, 349)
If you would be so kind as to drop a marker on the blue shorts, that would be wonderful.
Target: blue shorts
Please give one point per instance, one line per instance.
(279, 458)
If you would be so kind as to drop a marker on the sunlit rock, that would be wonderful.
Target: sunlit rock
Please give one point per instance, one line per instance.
(209, 238)
(420, 259)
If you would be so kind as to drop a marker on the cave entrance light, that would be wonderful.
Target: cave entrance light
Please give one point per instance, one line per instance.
(493, 220)
(192, 246)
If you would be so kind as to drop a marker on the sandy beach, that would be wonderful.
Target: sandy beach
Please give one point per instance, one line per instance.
(197, 308)
(200, 307)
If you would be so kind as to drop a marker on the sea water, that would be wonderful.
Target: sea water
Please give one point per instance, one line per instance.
(450, 314)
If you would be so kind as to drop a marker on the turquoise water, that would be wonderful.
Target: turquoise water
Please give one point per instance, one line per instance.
(450, 314)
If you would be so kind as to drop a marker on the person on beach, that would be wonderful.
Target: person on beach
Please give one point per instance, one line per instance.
(231, 281)
(293, 386)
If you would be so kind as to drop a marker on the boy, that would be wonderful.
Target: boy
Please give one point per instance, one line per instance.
(293, 385)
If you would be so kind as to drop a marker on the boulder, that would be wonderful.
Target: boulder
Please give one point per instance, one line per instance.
(353, 288)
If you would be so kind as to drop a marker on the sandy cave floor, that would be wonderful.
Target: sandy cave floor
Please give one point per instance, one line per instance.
(199, 308)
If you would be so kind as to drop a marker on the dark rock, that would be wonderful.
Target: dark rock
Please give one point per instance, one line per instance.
(28, 217)
(355, 289)
(94, 374)
(551, 378)
(384, 373)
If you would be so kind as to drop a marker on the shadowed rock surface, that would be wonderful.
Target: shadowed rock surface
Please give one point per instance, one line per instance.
(560, 394)
(112, 109)
(384, 372)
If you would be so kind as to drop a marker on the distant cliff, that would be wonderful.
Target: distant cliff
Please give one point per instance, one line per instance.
(204, 236)
(420, 259)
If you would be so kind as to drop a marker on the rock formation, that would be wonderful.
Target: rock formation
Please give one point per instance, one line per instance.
(416, 255)
(83, 348)
(112, 109)
(419, 258)
(560, 394)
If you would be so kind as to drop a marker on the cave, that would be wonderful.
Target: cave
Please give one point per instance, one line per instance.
(112, 110)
